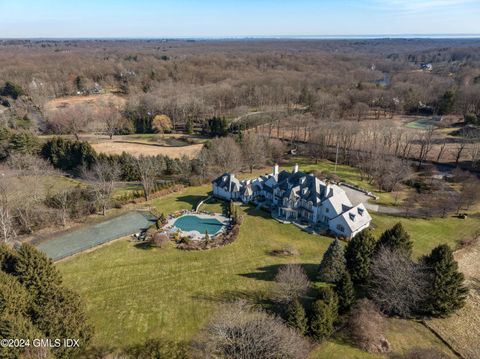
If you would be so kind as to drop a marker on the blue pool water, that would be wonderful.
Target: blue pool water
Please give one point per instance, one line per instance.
(193, 223)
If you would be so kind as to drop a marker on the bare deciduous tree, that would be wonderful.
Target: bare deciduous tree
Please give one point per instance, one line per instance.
(112, 119)
(239, 332)
(397, 285)
(7, 231)
(253, 150)
(101, 178)
(148, 174)
(291, 282)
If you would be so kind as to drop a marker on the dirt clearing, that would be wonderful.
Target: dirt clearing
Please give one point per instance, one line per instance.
(137, 149)
(92, 102)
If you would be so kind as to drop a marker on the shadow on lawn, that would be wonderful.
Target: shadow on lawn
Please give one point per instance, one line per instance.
(268, 273)
(190, 199)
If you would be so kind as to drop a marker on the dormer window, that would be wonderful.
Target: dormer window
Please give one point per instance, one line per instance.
(352, 216)
(360, 211)
(302, 180)
(304, 191)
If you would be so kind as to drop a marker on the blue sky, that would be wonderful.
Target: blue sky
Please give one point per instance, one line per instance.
(225, 18)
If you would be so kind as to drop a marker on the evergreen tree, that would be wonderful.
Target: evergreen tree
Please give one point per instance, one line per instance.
(296, 316)
(359, 255)
(189, 126)
(447, 291)
(55, 311)
(328, 295)
(18, 326)
(36, 272)
(333, 263)
(63, 316)
(321, 324)
(345, 292)
(395, 238)
(14, 298)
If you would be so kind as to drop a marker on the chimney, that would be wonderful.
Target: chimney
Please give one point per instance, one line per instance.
(275, 170)
(295, 168)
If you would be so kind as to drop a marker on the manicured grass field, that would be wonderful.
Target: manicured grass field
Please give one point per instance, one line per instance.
(133, 293)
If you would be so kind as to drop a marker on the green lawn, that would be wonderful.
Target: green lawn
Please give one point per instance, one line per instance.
(133, 294)
(428, 234)
(403, 335)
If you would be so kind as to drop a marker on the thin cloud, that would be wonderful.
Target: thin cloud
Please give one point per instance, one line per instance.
(427, 5)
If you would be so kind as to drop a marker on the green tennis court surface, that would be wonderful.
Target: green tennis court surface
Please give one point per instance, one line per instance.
(422, 124)
(77, 241)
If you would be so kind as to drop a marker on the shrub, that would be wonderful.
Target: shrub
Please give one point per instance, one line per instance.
(159, 239)
(239, 332)
(12, 90)
(367, 327)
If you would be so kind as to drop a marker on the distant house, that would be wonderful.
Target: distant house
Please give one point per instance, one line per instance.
(297, 197)
(426, 66)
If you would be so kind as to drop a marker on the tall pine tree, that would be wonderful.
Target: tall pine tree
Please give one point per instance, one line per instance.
(296, 316)
(359, 253)
(395, 238)
(447, 290)
(333, 262)
(345, 292)
(321, 323)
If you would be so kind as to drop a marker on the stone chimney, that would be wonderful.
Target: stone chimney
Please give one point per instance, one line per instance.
(275, 170)
(295, 168)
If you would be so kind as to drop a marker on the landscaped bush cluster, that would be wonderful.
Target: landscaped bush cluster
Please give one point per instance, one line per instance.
(383, 271)
(210, 243)
(362, 283)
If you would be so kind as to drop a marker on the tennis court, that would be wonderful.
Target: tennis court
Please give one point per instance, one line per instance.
(79, 240)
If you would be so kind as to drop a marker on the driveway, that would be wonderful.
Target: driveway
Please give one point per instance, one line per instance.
(357, 197)
(79, 240)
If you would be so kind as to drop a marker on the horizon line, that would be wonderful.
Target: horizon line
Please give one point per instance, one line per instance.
(247, 37)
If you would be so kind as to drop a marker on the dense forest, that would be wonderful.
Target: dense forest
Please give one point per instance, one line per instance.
(194, 80)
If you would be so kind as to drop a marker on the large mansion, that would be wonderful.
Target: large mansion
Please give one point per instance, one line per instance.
(299, 197)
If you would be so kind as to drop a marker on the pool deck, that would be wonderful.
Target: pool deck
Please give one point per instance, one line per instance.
(196, 235)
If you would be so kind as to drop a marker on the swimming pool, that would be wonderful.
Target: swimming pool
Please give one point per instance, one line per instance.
(190, 223)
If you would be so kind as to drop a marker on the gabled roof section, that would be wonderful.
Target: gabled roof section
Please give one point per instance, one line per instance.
(356, 217)
(228, 182)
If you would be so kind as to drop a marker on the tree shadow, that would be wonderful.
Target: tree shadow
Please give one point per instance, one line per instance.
(268, 273)
(192, 200)
(143, 245)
